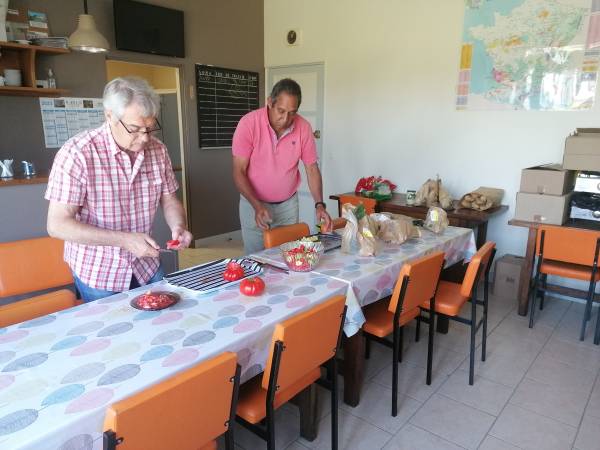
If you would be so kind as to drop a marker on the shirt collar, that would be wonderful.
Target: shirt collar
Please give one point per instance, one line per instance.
(112, 144)
(273, 133)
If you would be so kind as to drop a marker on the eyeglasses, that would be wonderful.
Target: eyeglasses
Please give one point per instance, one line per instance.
(132, 129)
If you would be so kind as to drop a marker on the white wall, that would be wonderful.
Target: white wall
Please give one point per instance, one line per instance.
(391, 69)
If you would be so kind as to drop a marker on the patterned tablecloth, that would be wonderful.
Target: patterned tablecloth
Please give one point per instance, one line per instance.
(372, 278)
(59, 372)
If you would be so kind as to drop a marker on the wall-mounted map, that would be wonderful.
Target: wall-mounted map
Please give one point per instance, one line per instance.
(529, 55)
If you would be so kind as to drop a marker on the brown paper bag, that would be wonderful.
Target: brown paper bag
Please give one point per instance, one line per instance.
(482, 198)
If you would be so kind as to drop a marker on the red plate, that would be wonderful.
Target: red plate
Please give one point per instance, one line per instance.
(155, 300)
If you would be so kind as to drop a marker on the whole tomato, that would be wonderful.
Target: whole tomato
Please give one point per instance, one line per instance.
(252, 286)
(233, 272)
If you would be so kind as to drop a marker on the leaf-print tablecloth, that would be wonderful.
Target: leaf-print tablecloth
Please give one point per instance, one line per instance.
(372, 278)
(59, 372)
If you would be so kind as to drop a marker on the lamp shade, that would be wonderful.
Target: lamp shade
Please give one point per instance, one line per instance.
(86, 38)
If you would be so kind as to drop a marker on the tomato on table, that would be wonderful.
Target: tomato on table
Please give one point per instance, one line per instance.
(252, 286)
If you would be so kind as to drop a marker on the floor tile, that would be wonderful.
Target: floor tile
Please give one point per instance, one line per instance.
(376, 408)
(453, 421)
(492, 443)
(485, 395)
(296, 446)
(573, 353)
(411, 381)
(518, 327)
(532, 431)
(499, 368)
(354, 434)
(411, 437)
(556, 373)
(564, 403)
(588, 437)
(593, 407)
(445, 360)
(381, 356)
(287, 430)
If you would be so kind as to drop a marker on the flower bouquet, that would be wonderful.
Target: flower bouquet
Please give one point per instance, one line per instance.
(375, 187)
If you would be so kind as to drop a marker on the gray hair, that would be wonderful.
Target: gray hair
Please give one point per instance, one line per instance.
(288, 86)
(124, 91)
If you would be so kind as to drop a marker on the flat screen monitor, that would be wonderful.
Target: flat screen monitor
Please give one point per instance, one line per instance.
(140, 27)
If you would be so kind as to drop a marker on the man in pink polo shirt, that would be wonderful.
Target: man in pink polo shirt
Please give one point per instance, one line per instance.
(267, 147)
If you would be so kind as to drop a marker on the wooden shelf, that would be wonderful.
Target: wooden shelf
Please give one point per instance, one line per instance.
(37, 48)
(32, 92)
(23, 57)
(19, 180)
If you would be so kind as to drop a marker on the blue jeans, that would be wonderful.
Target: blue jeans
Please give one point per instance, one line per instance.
(89, 294)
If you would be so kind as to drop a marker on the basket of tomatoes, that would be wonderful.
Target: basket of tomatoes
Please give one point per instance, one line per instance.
(302, 256)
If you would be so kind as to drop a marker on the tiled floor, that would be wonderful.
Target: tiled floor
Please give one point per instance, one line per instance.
(537, 389)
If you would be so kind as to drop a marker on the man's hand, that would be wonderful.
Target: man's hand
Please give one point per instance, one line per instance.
(323, 217)
(263, 217)
(183, 236)
(141, 245)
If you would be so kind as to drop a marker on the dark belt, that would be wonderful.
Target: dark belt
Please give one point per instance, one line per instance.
(279, 203)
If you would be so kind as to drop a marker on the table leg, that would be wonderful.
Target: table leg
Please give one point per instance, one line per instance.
(526, 272)
(354, 367)
(307, 402)
(481, 234)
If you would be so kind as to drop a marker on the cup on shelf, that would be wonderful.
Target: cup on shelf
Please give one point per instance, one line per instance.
(12, 77)
(1, 80)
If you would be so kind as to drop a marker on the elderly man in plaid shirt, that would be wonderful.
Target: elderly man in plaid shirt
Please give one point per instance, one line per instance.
(104, 189)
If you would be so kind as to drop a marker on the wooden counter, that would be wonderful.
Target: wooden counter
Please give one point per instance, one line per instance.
(459, 217)
(39, 178)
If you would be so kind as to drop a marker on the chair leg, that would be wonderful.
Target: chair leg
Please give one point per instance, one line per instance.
(431, 329)
(401, 344)
(543, 292)
(270, 422)
(597, 333)
(484, 326)
(367, 346)
(418, 332)
(532, 300)
(472, 353)
(334, 404)
(588, 310)
(396, 347)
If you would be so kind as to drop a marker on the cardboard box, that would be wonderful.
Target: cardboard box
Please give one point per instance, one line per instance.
(550, 179)
(507, 276)
(549, 209)
(582, 150)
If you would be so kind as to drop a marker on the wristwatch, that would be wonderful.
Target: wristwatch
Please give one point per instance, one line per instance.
(322, 204)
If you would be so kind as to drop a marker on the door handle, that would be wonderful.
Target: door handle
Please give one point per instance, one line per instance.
(317, 134)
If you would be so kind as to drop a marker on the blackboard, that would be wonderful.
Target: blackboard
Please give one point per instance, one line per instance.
(223, 96)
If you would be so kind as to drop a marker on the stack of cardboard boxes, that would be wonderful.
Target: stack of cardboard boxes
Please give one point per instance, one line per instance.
(546, 191)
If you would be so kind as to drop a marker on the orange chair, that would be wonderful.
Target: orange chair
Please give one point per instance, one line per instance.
(417, 283)
(300, 346)
(452, 296)
(369, 203)
(32, 265)
(338, 223)
(567, 253)
(187, 411)
(286, 233)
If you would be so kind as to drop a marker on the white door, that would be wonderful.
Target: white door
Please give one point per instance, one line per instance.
(310, 77)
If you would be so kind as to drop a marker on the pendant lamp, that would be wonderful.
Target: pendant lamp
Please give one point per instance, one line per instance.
(86, 38)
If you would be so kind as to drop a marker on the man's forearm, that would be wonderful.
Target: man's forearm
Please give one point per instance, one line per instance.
(245, 188)
(315, 182)
(174, 214)
(70, 229)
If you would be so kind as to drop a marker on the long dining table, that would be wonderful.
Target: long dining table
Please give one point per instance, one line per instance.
(59, 372)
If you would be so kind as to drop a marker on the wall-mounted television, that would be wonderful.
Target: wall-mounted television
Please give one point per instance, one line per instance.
(140, 27)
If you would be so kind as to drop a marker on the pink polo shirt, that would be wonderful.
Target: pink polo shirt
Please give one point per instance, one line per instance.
(273, 169)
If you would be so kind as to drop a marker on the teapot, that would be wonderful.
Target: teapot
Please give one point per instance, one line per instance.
(6, 170)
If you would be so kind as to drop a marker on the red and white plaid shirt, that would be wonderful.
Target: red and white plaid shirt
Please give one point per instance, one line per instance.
(113, 193)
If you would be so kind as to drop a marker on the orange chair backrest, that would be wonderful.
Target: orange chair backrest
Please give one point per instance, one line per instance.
(23, 310)
(370, 203)
(309, 338)
(32, 265)
(423, 274)
(183, 412)
(281, 235)
(480, 259)
(569, 245)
